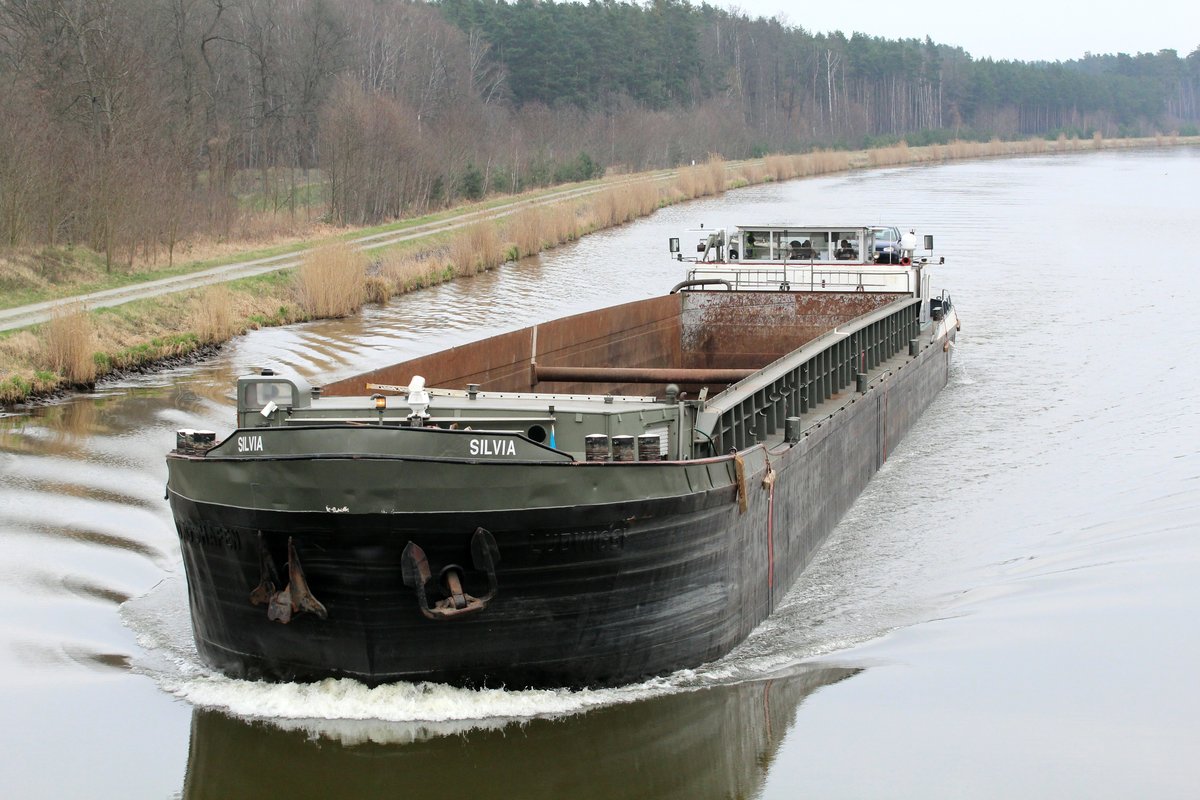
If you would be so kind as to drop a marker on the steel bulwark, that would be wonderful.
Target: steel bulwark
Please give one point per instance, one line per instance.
(754, 409)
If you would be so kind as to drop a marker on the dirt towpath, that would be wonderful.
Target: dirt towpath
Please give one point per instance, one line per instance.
(34, 313)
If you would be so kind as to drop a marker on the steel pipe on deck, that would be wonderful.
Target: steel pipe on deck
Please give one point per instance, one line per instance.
(637, 375)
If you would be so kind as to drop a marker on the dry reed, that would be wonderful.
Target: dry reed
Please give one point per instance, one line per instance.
(891, 156)
(527, 230)
(605, 210)
(752, 173)
(69, 344)
(827, 161)
(687, 183)
(408, 272)
(614, 206)
(212, 317)
(331, 282)
(717, 174)
(564, 224)
(779, 167)
(378, 289)
(701, 180)
(475, 248)
(647, 198)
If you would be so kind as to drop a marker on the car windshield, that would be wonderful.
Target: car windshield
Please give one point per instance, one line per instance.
(886, 235)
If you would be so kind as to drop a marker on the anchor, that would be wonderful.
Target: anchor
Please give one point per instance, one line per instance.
(295, 597)
(416, 574)
(268, 576)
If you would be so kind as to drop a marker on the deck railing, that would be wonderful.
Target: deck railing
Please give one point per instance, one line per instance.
(838, 278)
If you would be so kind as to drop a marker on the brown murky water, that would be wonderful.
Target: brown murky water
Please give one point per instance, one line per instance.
(1009, 610)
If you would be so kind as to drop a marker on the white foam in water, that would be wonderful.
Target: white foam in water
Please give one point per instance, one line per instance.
(352, 712)
(346, 709)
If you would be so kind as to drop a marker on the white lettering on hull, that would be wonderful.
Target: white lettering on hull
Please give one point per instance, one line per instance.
(493, 447)
(249, 444)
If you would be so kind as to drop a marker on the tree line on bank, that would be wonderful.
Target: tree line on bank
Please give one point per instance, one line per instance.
(132, 125)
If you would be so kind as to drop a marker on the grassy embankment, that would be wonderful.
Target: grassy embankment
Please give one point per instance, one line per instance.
(78, 346)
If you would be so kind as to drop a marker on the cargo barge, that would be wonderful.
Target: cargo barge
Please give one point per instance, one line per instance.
(587, 501)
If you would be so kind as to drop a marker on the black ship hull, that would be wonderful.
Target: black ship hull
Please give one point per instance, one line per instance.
(604, 573)
(587, 596)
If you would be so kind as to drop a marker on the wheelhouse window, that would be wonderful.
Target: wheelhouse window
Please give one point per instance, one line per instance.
(756, 244)
(847, 246)
(278, 392)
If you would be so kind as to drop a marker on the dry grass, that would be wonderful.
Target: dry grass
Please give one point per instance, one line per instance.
(527, 230)
(717, 174)
(647, 198)
(69, 344)
(260, 229)
(778, 168)
(957, 150)
(752, 172)
(18, 345)
(701, 180)
(605, 210)
(378, 289)
(890, 156)
(21, 373)
(620, 204)
(475, 248)
(564, 225)
(823, 162)
(687, 184)
(332, 281)
(212, 316)
(409, 272)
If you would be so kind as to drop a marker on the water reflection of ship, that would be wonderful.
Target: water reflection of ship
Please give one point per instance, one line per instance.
(717, 742)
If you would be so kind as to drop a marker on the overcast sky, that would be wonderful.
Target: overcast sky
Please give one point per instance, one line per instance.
(1024, 30)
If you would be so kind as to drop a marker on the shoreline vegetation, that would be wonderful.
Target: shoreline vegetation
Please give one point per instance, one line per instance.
(78, 346)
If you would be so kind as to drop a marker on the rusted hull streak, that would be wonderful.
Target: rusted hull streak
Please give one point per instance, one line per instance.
(648, 375)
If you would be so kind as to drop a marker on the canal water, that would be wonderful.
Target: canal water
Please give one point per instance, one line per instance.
(1010, 609)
